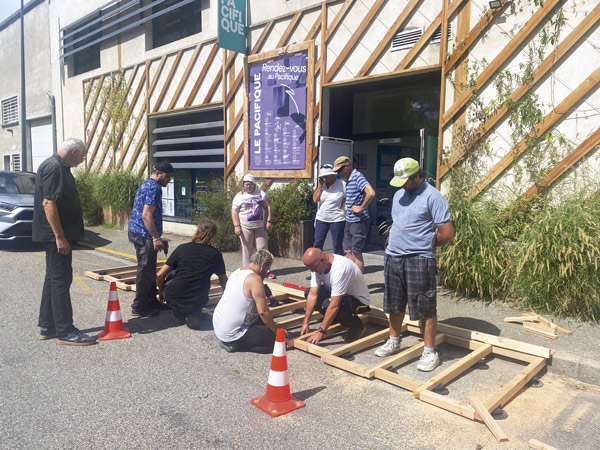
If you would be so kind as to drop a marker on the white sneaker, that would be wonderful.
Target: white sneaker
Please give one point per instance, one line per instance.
(428, 361)
(387, 349)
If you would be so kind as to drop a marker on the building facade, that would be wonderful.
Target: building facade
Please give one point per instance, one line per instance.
(501, 97)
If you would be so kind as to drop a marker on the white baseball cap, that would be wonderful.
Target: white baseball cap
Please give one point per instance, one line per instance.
(249, 177)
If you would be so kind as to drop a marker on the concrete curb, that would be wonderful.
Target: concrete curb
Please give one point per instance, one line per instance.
(582, 369)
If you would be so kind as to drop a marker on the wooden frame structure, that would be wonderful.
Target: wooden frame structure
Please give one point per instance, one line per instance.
(480, 345)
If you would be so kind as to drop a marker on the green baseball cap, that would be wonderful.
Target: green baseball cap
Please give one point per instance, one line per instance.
(403, 169)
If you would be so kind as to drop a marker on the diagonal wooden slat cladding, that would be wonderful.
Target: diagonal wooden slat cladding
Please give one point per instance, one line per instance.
(167, 82)
(117, 142)
(421, 43)
(385, 41)
(335, 23)
(186, 75)
(137, 151)
(565, 164)
(290, 29)
(551, 61)
(87, 90)
(443, 49)
(202, 75)
(89, 137)
(356, 36)
(131, 136)
(515, 43)
(555, 115)
(462, 47)
(90, 108)
(234, 159)
(157, 74)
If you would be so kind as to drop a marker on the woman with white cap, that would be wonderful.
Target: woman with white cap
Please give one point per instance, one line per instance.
(330, 194)
(248, 216)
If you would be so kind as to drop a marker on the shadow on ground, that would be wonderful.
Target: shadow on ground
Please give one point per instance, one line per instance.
(471, 323)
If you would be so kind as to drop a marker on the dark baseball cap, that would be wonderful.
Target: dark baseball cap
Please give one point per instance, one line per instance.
(164, 166)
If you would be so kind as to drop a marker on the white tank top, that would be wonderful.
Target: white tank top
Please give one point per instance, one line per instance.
(234, 313)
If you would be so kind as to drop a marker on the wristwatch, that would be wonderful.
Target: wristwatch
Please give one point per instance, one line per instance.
(322, 330)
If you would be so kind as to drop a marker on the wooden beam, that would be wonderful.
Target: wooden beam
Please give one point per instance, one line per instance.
(360, 344)
(537, 445)
(167, 82)
(508, 391)
(489, 421)
(93, 105)
(233, 125)
(420, 44)
(464, 46)
(444, 42)
(290, 29)
(157, 74)
(385, 41)
(515, 43)
(312, 32)
(546, 333)
(261, 39)
(397, 379)
(235, 158)
(449, 404)
(295, 321)
(565, 164)
(185, 76)
(455, 369)
(293, 306)
(335, 23)
(138, 148)
(554, 116)
(132, 134)
(202, 74)
(549, 62)
(356, 35)
(234, 87)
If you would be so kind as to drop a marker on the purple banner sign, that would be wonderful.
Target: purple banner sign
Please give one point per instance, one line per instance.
(277, 108)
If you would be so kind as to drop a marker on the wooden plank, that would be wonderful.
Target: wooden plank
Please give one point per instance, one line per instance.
(449, 404)
(295, 321)
(93, 105)
(280, 288)
(231, 94)
(533, 443)
(455, 369)
(400, 21)
(356, 36)
(549, 334)
(515, 43)
(293, 306)
(549, 62)
(132, 134)
(462, 47)
(167, 82)
(312, 32)
(400, 358)
(420, 44)
(565, 164)
(519, 319)
(202, 75)
(554, 116)
(290, 29)
(137, 151)
(261, 39)
(185, 76)
(233, 126)
(344, 364)
(396, 379)
(508, 391)
(472, 345)
(360, 344)
(335, 23)
(444, 43)
(489, 421)
(237, 155)
(553, 325)
(157, 74)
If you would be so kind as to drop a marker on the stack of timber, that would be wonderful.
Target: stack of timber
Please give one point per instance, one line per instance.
(534, 323)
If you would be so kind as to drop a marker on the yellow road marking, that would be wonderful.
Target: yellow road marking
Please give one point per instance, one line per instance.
(81, 283)
(108, 250)
(88, 262)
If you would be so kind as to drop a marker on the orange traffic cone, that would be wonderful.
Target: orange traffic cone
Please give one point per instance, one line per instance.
(113, 329)
(278, 400)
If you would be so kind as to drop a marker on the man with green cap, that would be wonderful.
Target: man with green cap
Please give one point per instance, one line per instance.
(421, 222)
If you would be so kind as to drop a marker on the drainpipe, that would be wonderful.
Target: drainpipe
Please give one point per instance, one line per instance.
(23, 109)
(53, 106)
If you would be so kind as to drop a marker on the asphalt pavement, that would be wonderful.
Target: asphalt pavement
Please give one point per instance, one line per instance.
(171, 387)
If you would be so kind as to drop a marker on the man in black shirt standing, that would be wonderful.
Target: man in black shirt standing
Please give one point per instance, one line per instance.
(58, 222)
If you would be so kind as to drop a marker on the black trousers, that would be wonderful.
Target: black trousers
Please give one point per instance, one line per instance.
(145, 278)
(258, 339)
(349, 307)
(56, 311)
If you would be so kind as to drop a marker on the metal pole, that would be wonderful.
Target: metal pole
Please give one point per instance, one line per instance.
(23, 113)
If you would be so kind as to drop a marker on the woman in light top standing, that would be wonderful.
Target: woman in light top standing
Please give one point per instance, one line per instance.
(251, 216)
(330, 194)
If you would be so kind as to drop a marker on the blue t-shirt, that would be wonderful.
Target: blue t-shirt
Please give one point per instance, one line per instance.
(149, 193)
(355, 195)
(416, 217)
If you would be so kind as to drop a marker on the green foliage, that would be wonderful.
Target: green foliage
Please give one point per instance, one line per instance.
(555, 266)
(117, 188)
(216, 204)
(290, 204)
(86, 187)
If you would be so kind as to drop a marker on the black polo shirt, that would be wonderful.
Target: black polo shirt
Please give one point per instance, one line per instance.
(55, 181)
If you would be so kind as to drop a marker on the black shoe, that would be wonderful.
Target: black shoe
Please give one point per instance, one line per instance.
(47, 333)
(356, 331)
(76, 337)
(179, 317)
(143, 312)
(160, 306)
(228, 348)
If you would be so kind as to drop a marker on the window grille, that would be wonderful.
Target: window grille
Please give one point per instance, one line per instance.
(16, 162)
(10, 111)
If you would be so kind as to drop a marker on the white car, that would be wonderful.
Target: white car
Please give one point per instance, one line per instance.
(16, 205)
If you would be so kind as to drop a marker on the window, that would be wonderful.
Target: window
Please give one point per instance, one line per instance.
(194, 144)
(16, 162)
(10, 111)
(86, 54)
(177, 24)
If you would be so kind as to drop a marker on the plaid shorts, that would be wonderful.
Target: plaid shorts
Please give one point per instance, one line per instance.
(412, 280)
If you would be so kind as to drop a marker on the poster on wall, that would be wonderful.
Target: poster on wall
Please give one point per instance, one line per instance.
(277, 114)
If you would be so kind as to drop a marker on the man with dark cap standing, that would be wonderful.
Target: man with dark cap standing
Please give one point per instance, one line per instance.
(145, 230)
